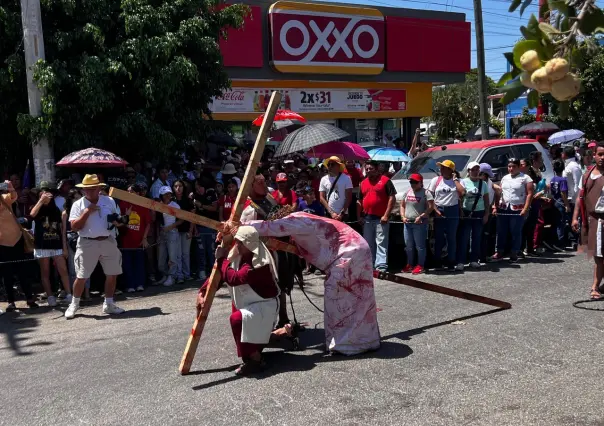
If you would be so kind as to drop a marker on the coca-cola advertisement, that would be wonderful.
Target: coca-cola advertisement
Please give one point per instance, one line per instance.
(312, 100)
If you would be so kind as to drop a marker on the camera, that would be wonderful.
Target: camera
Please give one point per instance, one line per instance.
(114, 217)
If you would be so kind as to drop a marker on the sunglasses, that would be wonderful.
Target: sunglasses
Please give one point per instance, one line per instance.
(413, 182)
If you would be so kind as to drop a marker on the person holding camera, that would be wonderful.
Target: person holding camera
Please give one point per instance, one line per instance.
(93, 217)
(50, 242)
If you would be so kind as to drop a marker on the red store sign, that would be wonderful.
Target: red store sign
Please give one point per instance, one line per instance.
(326, 39)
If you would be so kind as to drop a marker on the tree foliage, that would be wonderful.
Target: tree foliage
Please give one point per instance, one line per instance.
(567, 32)
(584, 112)
(14, 148)
(455, 106)
(134, 76)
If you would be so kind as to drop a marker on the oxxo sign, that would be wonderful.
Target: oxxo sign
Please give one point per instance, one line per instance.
(317, 38)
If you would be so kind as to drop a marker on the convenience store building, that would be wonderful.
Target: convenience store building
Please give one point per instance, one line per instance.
(367, 70)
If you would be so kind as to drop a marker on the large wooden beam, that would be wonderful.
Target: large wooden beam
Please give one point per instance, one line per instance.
(246, 186)
(158, 206)
(442, 290)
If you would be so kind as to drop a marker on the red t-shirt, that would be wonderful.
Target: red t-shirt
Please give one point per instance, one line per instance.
(376, 196)
(140, 217)
(226, 202)
(288, 199)
(355, 176)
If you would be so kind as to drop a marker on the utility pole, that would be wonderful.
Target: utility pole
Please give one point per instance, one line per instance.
(33, 39)
(482, 79)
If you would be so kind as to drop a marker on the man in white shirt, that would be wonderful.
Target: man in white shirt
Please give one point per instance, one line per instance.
(335, 189)
(89, 218)
(572, 173)
(162, 180)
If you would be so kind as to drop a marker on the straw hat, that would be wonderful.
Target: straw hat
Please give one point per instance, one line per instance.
(90, 181)
(335, 159)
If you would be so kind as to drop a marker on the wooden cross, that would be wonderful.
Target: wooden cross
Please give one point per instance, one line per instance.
(246, 186)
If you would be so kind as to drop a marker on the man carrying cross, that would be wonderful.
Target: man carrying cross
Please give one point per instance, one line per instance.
(350, 316)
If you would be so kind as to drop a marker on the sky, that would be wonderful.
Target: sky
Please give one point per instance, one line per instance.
(501, 28)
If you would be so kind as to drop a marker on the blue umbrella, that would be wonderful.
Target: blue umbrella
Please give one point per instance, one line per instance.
(565, 136)
(388, 154)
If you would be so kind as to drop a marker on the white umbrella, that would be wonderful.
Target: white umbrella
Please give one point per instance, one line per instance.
(565, 136)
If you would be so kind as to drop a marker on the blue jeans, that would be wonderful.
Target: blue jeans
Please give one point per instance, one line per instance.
(446, 226)
(509, 221)
(184, 266)
(562, 221)
(168, 253)
(376, 235)
(133, 264)
(416, 236)
(206, 239)
(471, 225)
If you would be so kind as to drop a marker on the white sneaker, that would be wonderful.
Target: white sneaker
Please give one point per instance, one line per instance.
(112, 309)
(68, 299)
(140, 288)
(475, 265)
(459, 267)
(130, 290)
(71, 310)
(52, 301)
(169, 282)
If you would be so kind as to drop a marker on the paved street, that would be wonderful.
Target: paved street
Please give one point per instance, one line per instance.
(537, 363)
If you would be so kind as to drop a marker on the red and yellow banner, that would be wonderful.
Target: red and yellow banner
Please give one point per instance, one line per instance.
(325, 100)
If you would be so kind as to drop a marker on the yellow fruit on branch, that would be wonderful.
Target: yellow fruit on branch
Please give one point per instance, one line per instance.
(566, 88)
(557, 68)
(529, 61)
(541, 80)
(525, 79)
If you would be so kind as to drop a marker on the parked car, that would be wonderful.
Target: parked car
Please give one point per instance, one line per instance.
(495, 152)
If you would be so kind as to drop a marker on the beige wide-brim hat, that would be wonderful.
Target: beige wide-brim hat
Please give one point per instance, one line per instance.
(90, 181)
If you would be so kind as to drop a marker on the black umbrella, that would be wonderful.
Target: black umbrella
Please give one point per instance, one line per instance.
(288, 124)
(308, 136)
(475, 133)
(218, 137)
(538, 128)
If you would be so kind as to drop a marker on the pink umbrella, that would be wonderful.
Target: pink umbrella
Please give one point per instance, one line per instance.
(92, 157)
(344, 150)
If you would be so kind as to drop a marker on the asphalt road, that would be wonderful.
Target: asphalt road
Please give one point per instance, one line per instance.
(538, 363)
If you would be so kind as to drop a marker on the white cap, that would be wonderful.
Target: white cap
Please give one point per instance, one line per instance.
(165, 190)
(473, 164)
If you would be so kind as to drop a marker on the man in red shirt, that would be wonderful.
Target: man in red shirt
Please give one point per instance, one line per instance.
(376, 201)
(283, 195)
(134, 241)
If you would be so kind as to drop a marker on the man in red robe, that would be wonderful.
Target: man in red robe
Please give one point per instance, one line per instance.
(249, 270)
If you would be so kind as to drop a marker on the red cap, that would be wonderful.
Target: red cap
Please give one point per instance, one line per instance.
(416, 177)
(281, 177)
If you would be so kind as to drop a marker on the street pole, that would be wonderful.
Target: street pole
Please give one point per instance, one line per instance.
(33, 39)
(482, 79)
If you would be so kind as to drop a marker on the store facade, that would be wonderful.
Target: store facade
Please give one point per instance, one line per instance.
(368, 70)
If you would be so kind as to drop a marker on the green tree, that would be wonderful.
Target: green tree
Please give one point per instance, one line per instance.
(567, 34)
(135, 76)
(455, 106)
(14, 148)
(584, 111)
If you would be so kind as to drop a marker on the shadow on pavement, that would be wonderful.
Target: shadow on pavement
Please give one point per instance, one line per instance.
(15, 330)
(133, 313)
(279, 362)
(406, 335)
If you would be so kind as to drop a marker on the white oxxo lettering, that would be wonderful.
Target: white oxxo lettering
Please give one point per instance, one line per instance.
(323, 42)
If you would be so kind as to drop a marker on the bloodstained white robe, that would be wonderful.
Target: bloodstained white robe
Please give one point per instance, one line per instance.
(350, 316)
